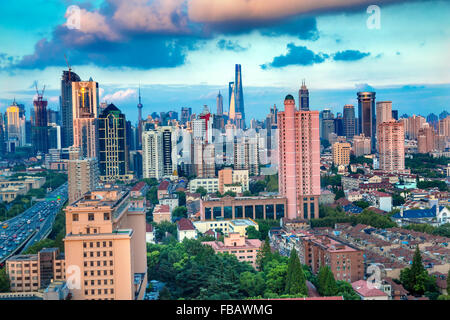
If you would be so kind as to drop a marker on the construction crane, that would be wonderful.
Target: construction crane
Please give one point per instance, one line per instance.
(39, 95)
(68, 66)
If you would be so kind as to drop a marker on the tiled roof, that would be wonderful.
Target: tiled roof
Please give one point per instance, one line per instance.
(363, 289)
(138, 186)
(185, 224)
(418, 213)
(163, 185)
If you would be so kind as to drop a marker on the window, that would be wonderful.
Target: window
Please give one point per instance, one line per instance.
(90, 216)
(106, 216)
(75, 217)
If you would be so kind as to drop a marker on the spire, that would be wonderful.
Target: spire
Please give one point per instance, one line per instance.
(139, 93)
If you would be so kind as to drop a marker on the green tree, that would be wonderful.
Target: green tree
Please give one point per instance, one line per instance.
(252, 233)
(253, 284)
(264, 255)
(296, 281)
(203, 192)
(326, 283)
(4, 281)
(179, 212)
(181, 198)
(276, 277)
(152, 195)
(257, 187)
(346, 290)
(339, 194)
(416, 279)
(362, 204)
(164, 294)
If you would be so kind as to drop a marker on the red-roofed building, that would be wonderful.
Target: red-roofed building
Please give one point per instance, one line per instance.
(235, 244)
(367, 291)
(161, 213)
(163, 189)
(186, 229)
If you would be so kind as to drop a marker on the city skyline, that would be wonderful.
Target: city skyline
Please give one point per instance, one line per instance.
(277, 50)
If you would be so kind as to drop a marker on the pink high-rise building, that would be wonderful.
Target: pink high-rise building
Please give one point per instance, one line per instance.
(299, 160)
(391, 141)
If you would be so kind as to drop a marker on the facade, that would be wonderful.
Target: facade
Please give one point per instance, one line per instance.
(341, 153)
(345, 261)
(83, 175)
(361, 145)
(246, 154)
(384, 112)
(67, 79)
(426, 139)
(152, 154)
(369, 291)
(211, 185)
(106, 241)
(226, 226)
(245, 250)
(31, 272)
(40, 126)
(391, 144)
(366, 116)
(161, 213)
(113, 152)
(349, 121)
(229, 177)
(299, 160)
(85, 113)
(185, 230)
(15, 127)
(243, 207)
(303, 97)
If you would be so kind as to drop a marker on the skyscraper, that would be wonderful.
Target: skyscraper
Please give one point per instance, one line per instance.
(366, 116)
(185, 115)
(40, 127)
(152, 154)
(67, 79)
(349, 121)
(15, 126)
(303, 97)
(219, 101)
(383, 114)
(327, 124)
(299, 160)
(85, 113)
(391, 141)
(83, 175)
(236, 111)
(113, 151)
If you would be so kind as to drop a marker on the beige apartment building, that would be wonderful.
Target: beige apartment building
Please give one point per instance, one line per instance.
(31, 272)
(83, 175)
(106, 241)
(341, 153)
(230, 180)
(391, 144)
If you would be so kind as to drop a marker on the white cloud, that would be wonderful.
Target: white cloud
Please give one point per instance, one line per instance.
(120, 95)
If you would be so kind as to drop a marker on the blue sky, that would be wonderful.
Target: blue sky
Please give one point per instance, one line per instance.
(183, 51)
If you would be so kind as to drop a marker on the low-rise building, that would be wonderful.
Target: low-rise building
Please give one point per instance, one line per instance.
(230, 180)
(245, 250)
(170, 200)
(380, 200)
(211, 185)
(163, 189)
(226, 226)
(31, 272)
(368, 291)
(161, 213)
(185, 230)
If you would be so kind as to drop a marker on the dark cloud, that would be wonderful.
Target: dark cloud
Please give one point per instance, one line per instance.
(143, 52)
(229, 45)
(296, 55)
(302, 28)
(350, 55)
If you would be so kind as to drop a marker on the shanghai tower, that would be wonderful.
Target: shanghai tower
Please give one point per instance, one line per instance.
(238, 93)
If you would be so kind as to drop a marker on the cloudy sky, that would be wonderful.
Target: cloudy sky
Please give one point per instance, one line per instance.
(182, 52)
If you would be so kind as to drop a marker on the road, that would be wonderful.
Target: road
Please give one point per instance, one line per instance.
(33, 225)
